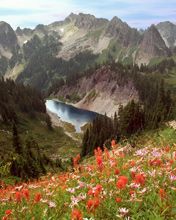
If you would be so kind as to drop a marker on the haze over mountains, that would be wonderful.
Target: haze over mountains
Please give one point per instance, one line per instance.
(77, 38)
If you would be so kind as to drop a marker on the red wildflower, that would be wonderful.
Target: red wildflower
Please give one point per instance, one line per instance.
(8, 212)
(90, 192)
(162, 193)
(99, 188)
(155, 162)
(92, 204)
(76, 215)
(4, 217)
(76, 160)
(121, 154)
(167, 149)
(106, 153)
(122, 181)
(95, 191)
(18, 196)
(98, 152)
(133, 174)
(117, 171)
(139, 179)
(118, 199)
(171, 161)
(25, 193)
(132, 163)
(37, 197)
(99, 160)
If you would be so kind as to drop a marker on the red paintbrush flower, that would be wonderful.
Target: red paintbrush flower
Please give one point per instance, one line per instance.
(8, 212)
(37, 197)
(139, 179)
(18, 196)
(25, 193)
(76, 215)
(162, 193)
(92, 204)
(117, 171)
(122, 181)
(118, 199)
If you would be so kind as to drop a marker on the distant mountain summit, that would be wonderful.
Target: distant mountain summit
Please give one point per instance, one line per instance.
(60, 43)
(168, 33)
(8, 40)
(152, 45)
(86, 21)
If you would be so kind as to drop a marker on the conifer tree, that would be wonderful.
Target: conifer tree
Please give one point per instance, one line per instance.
(16, 140)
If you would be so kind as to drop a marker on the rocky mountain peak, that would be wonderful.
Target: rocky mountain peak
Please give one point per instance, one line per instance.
(71, 18)
(122, 32)
(152, 45)
(152, 36)
(25, 31)
(117, 22)
(86, 21)
(168, 32)
(8, 37)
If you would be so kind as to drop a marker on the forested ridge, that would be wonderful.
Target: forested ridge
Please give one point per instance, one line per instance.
(44, 68)
(155, 106)
(17, 98)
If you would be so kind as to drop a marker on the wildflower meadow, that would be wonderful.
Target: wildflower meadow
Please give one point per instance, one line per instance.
(122, 183)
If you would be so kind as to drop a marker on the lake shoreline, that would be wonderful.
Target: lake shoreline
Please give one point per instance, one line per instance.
(70, 114)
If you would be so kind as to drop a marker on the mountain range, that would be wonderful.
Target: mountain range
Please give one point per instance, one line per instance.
(41, 55)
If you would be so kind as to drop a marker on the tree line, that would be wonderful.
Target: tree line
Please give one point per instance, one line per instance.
(16, 98)
(155, 106)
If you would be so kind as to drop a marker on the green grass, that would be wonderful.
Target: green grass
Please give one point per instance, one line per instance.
(53, 143)
(113, 51)
(156, 60)
(159, 137)
(125, 183)
(170, 79)
(95, 34)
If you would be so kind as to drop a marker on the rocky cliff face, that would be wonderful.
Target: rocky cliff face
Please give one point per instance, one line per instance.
(78, 33)
(8, 40)
(86, 21)
(168, 32)
(152, 45)
(122, 32)
(102, 92)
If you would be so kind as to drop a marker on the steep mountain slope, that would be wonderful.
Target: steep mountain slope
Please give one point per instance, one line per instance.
(122, 32)
(152, 45)
(78, 35)
(8, 40)
(102, 91)
(168, 32)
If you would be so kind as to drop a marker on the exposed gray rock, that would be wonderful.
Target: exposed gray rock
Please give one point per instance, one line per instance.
(152, 45)
(168, 32)
(122, 32)
(8, 37)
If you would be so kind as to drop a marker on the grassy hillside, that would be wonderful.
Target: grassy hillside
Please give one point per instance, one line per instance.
(125, 183)
(54, 143)
(160, 137)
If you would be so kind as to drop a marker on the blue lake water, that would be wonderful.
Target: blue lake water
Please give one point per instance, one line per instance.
(68, 113)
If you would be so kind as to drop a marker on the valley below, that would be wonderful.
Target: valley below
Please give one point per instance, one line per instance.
(88, 120)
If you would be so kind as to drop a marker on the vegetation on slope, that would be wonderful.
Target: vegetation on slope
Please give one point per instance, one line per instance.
(26, 131)
(124, 183)
(44, 68)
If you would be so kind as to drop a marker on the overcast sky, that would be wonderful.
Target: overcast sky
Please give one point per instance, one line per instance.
(137, 13)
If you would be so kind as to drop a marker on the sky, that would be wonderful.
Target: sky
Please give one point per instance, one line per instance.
(137, 13)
